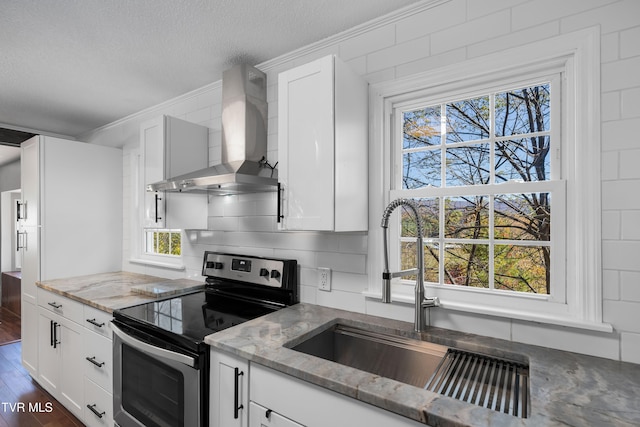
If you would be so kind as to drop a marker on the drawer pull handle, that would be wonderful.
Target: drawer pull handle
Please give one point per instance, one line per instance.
(54, 305)
(92, 359)
(93, 322)
(92, 408)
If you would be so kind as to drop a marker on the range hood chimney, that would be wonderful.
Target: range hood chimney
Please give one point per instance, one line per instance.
(244, 168)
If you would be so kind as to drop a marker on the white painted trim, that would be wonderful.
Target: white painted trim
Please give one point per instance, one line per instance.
(579, 54)
(180, 267)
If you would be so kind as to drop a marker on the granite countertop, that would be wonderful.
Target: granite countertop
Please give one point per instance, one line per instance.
(566, 388)
(111, 291)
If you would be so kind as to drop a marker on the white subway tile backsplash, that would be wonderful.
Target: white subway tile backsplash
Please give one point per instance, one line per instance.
(630, 229)
(611, 225)
(612, 15)
(470, 323)
(348, 263)
(379, 38)
(610, 165)
(623, 314)
(432, 62)
(630, 102)
(629, 45)
(398, 54)
(621, 255)
(623, 74)
(341, 300)
(619, 194)
(514, 39)
(630, 347)
(610, 106)
(609, 47)
(630, 286)
(481, 29)
(620, 134)
(431, 20)
(595, 343)
(611, 284)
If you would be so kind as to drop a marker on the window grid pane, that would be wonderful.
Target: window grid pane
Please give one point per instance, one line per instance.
(497, 240)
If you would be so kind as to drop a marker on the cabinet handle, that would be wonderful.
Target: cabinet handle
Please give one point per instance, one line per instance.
(236, 393)
(21, 241)
(92, 408)
(51, 332)
(279, 213)
(54, 305)
(267, 414)
(92, 359)
(21, 210)
(55, 335)
(94, 323)
(158, 218)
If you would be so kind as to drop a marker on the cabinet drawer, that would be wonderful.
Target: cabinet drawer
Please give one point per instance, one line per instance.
(97, 321)
(98, 405)
(97, 357)
(63, 306)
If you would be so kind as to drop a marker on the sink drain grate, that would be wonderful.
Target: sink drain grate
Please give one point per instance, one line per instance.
(485, 381)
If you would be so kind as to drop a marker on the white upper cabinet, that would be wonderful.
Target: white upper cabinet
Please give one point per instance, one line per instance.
(172, 147)
(322, 147)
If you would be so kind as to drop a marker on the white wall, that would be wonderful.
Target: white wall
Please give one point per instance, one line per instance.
(419, 40)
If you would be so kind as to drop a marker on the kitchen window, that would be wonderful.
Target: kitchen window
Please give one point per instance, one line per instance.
(163, 242)
(481, 171)
(501, 154)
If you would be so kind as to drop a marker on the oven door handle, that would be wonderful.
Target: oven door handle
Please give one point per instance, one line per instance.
(155, 351)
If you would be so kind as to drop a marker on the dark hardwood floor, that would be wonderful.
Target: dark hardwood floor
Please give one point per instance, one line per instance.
(22, 401)
(9, 326)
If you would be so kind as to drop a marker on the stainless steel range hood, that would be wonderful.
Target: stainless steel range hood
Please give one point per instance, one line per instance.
(244, 141)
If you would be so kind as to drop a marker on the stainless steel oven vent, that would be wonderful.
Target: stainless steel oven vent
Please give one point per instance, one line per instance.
(490, 382)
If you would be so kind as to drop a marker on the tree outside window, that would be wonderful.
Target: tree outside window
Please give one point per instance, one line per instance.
(457, 159)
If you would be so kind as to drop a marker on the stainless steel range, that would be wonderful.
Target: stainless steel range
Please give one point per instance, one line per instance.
(161, 363)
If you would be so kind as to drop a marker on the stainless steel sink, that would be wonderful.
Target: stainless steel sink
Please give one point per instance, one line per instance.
(402, 359)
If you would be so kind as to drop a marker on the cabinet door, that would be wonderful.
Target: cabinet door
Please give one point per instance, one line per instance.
(259, 416)
(152, 146)
(229, 391)
(172, 147)
(71, 358)
(306, 145)
(49, 351)
(29, 330)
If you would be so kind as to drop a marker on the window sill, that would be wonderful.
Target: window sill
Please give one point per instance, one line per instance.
(166, 265)
(504, 313)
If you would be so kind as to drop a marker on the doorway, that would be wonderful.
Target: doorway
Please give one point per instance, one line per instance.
(10, 265)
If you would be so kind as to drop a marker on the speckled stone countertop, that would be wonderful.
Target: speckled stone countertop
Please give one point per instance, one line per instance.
(567, 389)
(110, 291)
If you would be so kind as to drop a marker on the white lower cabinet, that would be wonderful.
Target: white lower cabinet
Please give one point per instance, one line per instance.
(251, 395)
(298, 402)
(259, 416)
(75, 357)
(60, 352)
(229, 397)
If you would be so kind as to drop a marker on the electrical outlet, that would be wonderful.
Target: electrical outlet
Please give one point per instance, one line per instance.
(324, 279)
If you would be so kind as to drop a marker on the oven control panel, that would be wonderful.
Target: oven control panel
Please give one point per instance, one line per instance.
(275, 273)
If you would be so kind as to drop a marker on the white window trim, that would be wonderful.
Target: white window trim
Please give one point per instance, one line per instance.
(137, 232)
(578, 54)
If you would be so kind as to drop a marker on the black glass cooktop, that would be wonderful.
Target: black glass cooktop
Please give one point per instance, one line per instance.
(189, 318)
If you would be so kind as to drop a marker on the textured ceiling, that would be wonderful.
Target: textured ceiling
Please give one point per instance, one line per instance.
(71, 66)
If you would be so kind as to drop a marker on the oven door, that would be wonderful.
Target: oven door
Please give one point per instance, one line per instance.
(153, 386)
